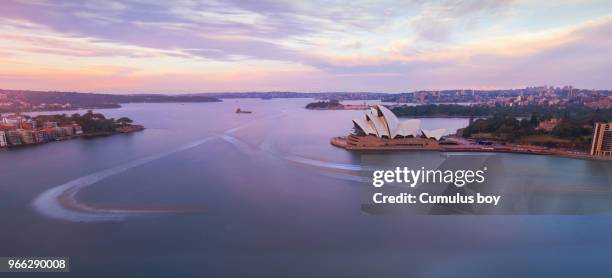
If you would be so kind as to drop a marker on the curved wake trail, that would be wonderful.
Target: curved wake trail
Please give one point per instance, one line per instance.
(59, 202)
(267, 146)
(323, 164)
(245, 148)
(240, 145)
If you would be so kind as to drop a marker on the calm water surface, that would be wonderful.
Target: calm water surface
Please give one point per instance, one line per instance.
(275, 204)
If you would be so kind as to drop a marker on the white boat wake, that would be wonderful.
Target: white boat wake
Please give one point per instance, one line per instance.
(59, 202)
(267, 146)
(321, 164)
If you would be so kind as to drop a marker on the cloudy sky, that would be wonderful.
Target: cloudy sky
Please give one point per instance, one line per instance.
(242, 45)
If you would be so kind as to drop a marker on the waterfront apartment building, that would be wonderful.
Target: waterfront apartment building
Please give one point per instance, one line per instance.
(50, 133)
(50, 125)
(13, 137)
(27, 137)
(39, 136)
(78, 130)
(3, 141)
(602, 140)
(68, 130)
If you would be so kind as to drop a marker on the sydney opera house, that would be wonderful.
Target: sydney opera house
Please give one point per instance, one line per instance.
(381, 129)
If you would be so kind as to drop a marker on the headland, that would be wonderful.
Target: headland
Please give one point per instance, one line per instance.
(381, 130)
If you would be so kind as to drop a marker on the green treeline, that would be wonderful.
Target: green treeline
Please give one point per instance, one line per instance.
(90, 122)
(580, 113)
(571, 131)
(324, 104)
(520, 124)
(512, 129)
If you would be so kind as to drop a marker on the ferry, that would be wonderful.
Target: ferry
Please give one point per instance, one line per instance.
(240, 111)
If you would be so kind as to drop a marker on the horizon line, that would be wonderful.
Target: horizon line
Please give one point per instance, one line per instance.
(299, 92)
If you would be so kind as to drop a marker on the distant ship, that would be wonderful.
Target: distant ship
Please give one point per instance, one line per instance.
(239, 111)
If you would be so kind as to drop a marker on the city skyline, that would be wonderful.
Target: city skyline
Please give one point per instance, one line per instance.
(188, 46)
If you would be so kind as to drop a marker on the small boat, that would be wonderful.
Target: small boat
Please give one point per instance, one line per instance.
(239, 111)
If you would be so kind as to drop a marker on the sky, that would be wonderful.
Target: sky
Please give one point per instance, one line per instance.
(185, 46)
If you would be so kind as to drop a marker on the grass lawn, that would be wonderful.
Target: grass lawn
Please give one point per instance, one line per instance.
(540, 139)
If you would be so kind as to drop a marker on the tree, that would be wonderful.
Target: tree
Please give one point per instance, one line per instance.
(124, 121)
(534, 119)
(570, 129)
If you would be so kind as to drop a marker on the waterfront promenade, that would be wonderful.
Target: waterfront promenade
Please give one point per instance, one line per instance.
(462, 145)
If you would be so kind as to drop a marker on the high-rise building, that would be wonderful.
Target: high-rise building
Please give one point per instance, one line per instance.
(602, 140)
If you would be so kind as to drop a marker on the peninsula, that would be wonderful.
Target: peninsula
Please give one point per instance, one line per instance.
(381, 130)
(20, 130)
(335, 105)
(27, 101)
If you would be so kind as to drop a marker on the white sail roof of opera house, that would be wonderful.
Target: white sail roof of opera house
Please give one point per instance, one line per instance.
(381, 122)
(436, 133)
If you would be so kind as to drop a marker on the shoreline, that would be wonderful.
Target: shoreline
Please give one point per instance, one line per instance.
(104, 107)
(123, 130)
(64, 109)
(343, 107)
(323, 109)
(444, 117)
(340, 142)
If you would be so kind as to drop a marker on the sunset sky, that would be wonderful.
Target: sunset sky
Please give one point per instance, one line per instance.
(226, 46)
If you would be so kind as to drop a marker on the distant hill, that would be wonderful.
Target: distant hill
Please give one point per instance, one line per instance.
(321, 95)
(22, 101)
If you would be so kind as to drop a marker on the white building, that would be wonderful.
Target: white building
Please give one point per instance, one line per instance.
(382, 123)
(3, 141)
(10, 120)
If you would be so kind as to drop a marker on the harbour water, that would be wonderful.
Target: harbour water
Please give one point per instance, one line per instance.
(274, 203)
